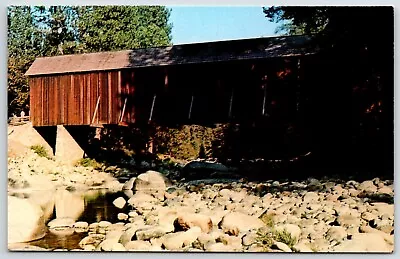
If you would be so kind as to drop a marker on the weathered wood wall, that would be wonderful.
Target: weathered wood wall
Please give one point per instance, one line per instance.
(220, 92)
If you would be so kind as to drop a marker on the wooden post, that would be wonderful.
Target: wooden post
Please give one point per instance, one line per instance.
(95, 111)
(298, 86)
(152, 107)
(230, 105)
(190, 108)
(123, 111)
(264, 87)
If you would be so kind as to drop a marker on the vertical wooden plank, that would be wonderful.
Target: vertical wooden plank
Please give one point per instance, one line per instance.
(119, 97)
(32, 89)
(50, 101)
(81, 101)
(43, 101)
(110, 99)
(87, 98)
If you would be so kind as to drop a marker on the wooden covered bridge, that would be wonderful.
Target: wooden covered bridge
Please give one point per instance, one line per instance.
(192, 83)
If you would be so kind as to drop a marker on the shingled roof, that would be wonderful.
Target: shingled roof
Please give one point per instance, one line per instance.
(256, 48)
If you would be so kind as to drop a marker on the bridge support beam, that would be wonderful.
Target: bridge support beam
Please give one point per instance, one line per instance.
(68, 150)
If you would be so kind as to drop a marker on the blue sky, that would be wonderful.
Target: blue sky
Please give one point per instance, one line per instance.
(200, 24)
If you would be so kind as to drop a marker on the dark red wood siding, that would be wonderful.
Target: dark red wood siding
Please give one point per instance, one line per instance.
(71, 99)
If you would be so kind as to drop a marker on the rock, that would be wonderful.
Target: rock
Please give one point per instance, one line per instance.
(25, 221)
(310, 197)
(141, 200)
(128, 185)
(151, 182)
(25, 247)
(385, 190)
(388, 238)
(368, 187)
(129, 233)
(61, 223)
(114, 235)
(347, 220)
(122, 216)
(186, 221)
(368, 216)
(94, 240)
(365, 242)
(249, 238)
(68, 204)
(336, 233)
(235, 222)
(110, 245)
(281, 246)
(218, 247)
(232, 241)
(150, 232)
(138, 245)
(176, 241)
(81, 226)
(104, 224)
(119, 202)
(202, 240)
(302, 247)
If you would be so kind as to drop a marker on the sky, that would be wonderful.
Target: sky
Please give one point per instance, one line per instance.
(201, 24)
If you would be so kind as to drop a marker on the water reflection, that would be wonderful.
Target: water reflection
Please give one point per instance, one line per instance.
(97, 206)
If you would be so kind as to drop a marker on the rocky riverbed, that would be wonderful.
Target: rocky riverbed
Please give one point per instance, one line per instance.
(165, 212)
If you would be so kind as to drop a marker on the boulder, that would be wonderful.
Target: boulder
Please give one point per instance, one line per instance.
(186, 221)
(122, 216)
(141, 199)
(25, 220)
(336, 233)
(281, 246)
(368, 187)
(151, 182)
(81, 226)
(110, 245)
(365, 242)
(92, 240)
(138, 245)
(61, 223)
(148, 233)
(310, 197)
(119, 202)
(235, 222)
(218, 247)
(176, 241)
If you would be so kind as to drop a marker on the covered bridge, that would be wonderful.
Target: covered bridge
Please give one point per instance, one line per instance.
(190, 83)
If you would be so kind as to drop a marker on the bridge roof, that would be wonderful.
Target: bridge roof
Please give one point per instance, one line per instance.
(194, 53)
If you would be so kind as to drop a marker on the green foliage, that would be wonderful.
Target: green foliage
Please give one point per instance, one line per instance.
(268, 219)
(40, 151)
(88, 162)
(266, 239)
(105, 28)
(285, 237)
(185, 142)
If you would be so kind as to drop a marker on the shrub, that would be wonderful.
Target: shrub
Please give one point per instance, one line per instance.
(285, 237)
(88, 162)
(40, 151)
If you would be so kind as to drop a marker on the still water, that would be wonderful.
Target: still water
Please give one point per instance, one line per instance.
(98, 207)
